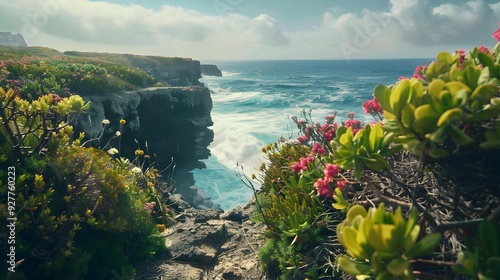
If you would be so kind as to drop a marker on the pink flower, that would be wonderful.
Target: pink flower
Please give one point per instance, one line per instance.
(305, 160)
(496, 34)
(318, 149)
(150, 206)
(329, 135)
(323, 188)
(303, 139)
(341, 184)
(302, 164)
(350, 115)
(330, 119)
(484, 49)
(420, 68)
(296, 167)
(331, 171)
(372, 107)
(356, 124)
(419, 72)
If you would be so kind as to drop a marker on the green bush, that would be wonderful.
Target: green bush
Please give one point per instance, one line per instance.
(80, 213)
(34, 78)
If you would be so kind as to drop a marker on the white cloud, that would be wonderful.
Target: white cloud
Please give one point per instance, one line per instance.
(409, 28)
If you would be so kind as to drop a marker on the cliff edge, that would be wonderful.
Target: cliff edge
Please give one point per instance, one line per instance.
(171, 124)
(210, 70)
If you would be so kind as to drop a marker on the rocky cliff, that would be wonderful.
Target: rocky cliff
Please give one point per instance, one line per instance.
(170, 123)
(170, 71)
(185, 73)
(211, 70)
(12, 40)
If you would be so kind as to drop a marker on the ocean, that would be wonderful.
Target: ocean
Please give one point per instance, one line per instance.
(254, 100)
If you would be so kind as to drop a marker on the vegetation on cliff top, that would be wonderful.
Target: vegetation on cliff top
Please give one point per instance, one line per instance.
(82, 212)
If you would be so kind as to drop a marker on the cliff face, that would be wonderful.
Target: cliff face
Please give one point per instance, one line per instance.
(211, 70)
(12, 40)
(171, 124)
(172, 121)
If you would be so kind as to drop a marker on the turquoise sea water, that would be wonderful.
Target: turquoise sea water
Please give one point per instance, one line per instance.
(254, 100)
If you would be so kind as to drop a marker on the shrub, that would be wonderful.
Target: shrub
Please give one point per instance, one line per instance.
(79, 212)
(437, 137)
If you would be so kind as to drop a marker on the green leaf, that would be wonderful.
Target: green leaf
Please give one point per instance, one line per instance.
(350, 243)
(484, 92)
(485, 60)
(491, 112)
(451, 115)
(444, 58)
(382, 93)
(352, 267)
(426, 115)
(408, 115)
(356, 210)
(411, 237)
(435, 87)
(489, 238)
(455, 87)
(382, 162)
(471, 76)
(398, 266)
(484, 77)
(425, 245)
(438, 135)
(459, 136)
(340, 202)
(383, 238)
(399, 96)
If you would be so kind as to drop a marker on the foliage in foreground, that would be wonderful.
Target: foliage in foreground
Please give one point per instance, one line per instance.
(80, 212)
(448, 116)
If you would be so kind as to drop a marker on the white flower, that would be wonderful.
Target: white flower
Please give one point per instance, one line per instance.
(112, 151)
(118, 133)
(291, 142)
(105, 121)
(136, 170)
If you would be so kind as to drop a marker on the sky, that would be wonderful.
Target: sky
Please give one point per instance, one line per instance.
(256, 29)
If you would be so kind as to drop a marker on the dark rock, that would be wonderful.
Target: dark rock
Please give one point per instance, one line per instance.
(12, 40)
(204, 216)
(171, 124)
(198, 243)
(177, 202)
(210, 70)
(235, 215)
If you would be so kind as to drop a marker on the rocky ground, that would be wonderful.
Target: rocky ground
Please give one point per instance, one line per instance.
(209, 244)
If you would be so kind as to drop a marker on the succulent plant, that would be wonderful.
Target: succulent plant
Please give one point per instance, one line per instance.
(456, 101)
(368, 147)
(381, 244)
